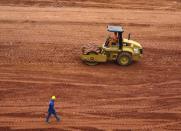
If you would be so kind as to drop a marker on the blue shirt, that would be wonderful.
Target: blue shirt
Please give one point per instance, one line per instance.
(51, 107)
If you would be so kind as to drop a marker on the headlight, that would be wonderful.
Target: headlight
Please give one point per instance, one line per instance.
(136, 50)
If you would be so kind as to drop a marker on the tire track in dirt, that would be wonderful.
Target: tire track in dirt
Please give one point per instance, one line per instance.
(40, 58)
(124, 4)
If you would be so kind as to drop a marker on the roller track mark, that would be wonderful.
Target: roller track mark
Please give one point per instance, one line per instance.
(39, 57)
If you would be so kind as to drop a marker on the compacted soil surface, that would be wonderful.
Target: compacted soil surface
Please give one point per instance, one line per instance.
(40, 45)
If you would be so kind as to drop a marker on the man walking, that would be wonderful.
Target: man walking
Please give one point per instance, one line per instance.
(51, 110)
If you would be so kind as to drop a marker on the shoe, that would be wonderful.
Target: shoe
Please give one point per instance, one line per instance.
(47, 122)
(58, 119)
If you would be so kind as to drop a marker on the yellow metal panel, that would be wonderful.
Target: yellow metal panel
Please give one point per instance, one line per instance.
(128, 49)
(92, 57)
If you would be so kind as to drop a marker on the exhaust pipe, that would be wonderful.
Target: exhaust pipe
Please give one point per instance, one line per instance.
(129, 36)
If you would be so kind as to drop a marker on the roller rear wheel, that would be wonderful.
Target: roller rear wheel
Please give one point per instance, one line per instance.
(124, 59)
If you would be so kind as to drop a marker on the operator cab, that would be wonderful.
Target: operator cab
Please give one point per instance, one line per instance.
(118, 38)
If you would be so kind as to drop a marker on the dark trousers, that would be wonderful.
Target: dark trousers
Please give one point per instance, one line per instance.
(49, 114)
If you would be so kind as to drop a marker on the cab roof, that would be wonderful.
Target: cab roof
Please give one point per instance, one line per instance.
(112, 28)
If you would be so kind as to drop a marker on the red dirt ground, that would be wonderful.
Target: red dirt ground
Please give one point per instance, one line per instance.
(40, 43)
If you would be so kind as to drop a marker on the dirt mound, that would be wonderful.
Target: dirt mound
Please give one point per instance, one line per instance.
(123, 4)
